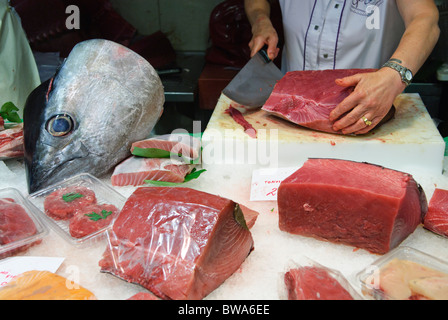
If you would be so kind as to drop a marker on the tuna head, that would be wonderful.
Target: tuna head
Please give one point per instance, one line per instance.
(84, 120)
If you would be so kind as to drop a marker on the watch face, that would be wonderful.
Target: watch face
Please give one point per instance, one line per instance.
(408, 75)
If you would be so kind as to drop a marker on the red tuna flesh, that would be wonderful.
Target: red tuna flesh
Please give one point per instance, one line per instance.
(135, 170)
(15, 225)
(307, 97)
(91, 219)
(436, 219)
(178, 144)
(313, 283)
(178, 243)
(358, 204)
(63, 203)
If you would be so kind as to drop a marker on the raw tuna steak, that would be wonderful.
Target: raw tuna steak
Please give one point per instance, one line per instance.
(313, 283)
(307, 97)
(178, 243)
(63, 203)
(436, 219)
(353, 203)
(91, 218)
(135, 170)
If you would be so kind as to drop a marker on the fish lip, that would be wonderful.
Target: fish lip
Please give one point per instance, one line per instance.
(46, 178)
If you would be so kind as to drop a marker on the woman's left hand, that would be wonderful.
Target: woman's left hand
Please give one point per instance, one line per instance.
(370, 101)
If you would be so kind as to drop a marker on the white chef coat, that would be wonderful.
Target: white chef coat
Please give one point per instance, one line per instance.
(339, 34)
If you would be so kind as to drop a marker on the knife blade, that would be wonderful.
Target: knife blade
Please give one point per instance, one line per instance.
(254, 83)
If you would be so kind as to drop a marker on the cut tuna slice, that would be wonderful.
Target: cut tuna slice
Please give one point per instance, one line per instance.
(168, 145)
(178, 243)
(353, 203)
(11, 142)
(313, 283)
(135, 170)
(436, 219)
(307, 97)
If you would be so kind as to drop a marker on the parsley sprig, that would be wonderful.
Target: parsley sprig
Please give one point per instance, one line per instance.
(69, 197)
(101, 216)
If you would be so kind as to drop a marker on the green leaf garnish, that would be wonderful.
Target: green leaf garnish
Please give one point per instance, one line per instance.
(69, 197)
(152, 153)
(194, 174)
(95, 216)
(239, 216)
(8, 111)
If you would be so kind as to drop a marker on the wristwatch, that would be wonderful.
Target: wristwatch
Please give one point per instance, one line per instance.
(405, 73)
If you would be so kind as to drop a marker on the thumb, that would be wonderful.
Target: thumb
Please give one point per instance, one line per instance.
(350, 81)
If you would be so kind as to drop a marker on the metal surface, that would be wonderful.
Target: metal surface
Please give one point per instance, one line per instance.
(182, 86)
(252, 86)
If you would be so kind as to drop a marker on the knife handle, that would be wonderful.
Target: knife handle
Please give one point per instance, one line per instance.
(264, 53)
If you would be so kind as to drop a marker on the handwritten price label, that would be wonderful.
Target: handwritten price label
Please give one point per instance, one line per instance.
(265, 183)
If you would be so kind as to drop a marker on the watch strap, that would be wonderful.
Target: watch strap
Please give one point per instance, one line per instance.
(400, 69)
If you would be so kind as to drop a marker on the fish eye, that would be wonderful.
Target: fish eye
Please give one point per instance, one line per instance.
(60, 125)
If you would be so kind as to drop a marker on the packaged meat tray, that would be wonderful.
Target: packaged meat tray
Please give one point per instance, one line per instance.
(309, 280)
(20, 226)
(80, 208)
(405, 274)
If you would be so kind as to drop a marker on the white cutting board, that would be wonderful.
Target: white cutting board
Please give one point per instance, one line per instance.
(410, 142)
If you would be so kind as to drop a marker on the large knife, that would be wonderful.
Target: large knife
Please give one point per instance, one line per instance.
(254, 83)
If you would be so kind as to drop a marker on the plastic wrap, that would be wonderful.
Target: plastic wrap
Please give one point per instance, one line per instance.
(74, 207)
(405, 274)
(308, 280)
(20, 227)
(178, 243)
(43, 285)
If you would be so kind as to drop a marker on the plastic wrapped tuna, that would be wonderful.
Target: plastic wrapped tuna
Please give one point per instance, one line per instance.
(178, 243)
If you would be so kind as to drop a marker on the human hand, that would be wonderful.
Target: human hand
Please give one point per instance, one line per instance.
(263, 33)
(372, 98)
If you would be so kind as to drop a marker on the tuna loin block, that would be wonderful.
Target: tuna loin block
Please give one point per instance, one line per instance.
(307, 97)
(178, 243)
(353, 203)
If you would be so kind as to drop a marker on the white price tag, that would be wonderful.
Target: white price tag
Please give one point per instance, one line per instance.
(12, 267)
(265, 183)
